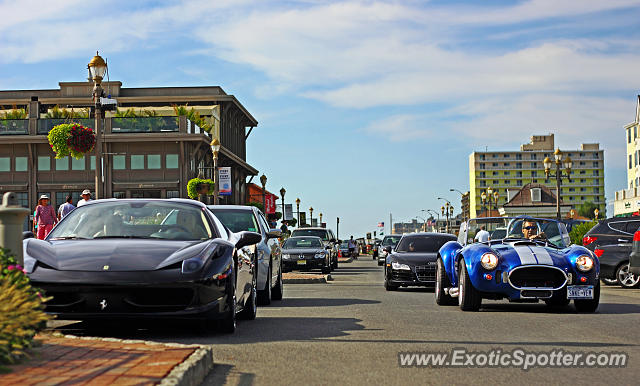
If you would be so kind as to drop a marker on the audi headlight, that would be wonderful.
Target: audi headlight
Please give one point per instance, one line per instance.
(584, 263)
(489, 261)
(192, 265)
(320, 255)
(396, 265)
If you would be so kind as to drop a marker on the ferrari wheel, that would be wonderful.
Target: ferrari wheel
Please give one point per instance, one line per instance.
(469, 298)
(387, 286)
(442, 282)
(277, 291)
(589, 305)
(250, 306)
(264, 297)
(626, 278)
(228, 324)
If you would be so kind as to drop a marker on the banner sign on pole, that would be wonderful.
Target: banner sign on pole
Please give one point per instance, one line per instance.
(303, 218)
(224, 176)
(288, 212)
(270, 201)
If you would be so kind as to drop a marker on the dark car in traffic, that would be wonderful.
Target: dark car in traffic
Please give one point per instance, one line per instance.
(413, 261)
(328, 239)
(240, 218)
(306, 253)
(344, 249)
(610, 240)
(141, 259)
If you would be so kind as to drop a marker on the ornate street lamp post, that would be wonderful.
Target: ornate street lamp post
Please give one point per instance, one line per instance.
(311, 216)
(215, 149)
(462, 196)
(320, 219)
(282, 192)
(298, 210)
(559, 175)
(97, 68)
(263, 181)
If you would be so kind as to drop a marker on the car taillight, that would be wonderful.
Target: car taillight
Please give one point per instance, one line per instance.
(598, 252)
(339, 253)
(636, 236)
(586, 240)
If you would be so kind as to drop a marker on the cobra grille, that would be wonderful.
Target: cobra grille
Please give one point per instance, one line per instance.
(537, 277)
(426, 272)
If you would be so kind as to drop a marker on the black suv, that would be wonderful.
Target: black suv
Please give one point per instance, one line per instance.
(611, 240)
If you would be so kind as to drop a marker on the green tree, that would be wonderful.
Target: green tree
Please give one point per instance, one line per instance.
(578, 232)
(587, 208)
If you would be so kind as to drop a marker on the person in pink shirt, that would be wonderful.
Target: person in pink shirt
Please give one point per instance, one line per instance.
(45, 217)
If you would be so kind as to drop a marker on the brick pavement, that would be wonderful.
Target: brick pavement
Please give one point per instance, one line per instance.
(66, 361)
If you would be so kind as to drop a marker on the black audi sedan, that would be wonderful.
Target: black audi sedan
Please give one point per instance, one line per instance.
(140, 259)
(413, 261)
(305, 253)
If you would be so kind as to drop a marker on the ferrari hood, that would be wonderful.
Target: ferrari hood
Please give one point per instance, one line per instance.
(414, 258)
(114, 254)
(519, 253)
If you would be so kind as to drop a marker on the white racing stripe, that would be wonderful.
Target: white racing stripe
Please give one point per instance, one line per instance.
(542, 255)
(526, 255)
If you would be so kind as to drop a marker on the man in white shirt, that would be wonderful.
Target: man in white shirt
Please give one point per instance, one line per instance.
(86, 197)
(482, 235)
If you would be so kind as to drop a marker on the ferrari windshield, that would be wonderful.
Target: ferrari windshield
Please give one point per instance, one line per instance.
(134, 219)
(545, 231)
(303, 242)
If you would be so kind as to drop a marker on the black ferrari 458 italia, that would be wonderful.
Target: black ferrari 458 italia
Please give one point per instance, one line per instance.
(140, 259)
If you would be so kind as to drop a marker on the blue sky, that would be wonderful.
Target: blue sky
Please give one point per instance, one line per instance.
(365, 108)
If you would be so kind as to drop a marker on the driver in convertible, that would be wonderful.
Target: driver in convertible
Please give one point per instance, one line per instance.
(530, 230)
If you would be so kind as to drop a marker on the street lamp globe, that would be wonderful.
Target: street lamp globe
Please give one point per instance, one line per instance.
(442, 209)
(568, 164)
(282, 192)
(547, 163)
(298, 202)
(483, 196)
(489, 190)
(97, 68)
(215, 147)
(558, 155)
(263, 180)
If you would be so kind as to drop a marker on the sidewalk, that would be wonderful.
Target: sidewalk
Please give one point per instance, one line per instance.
(70, 360)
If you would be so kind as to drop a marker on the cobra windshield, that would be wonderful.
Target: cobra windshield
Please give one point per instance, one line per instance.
(551, 232)
(134, 219)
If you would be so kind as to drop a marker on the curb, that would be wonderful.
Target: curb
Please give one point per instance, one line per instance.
(191, 372)
(310, 280)
(347, 260)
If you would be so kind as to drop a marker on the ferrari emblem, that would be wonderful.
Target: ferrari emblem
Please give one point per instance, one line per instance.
(105, 268)
(103, 304)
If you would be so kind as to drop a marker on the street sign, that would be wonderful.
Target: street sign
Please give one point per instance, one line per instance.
(224, 176)
(288, 212)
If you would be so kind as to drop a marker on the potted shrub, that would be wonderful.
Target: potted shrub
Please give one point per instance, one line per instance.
(197, 186)
(71, 139)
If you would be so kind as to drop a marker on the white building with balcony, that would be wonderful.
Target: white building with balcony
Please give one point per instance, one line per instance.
(627, 201)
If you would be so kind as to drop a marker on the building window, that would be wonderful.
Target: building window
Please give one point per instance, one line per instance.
(583, 172)
(119, 163)
(582, 163)
(495, 173)
(173, 194)
(494, 155)
(519, 165)
(629, 136)
(571, 198)
(154, 161)
(495, 164)
(507, 173)
(595, 164)
(595, 155)
(572, 189)
(596, 172)
(583, 180)
(481, 165)
(518, 156)
(534, 156)
(44, 163)
(22, 164)
(596, 190)
(534, 173)
(5, 164)
(92, 162)
(507, 182)
(78, 164)
(62, 163)
(635, 132)
(630, 161)
(535, 181)
(518, 174)
(119, 195)
(507, 164)
(507, 156)
(495, 182)
(519, 182)
(482, 175)
(534, 165)
(171, 161)
(137, 162)
(481, 157)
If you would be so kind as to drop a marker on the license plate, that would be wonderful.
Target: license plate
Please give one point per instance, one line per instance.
(580, 292)
(302, 262)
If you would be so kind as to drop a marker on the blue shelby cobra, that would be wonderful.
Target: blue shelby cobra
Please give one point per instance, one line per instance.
(533, 262)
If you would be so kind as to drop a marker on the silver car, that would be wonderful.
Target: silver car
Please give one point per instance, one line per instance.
(388, 241)
(249, 218)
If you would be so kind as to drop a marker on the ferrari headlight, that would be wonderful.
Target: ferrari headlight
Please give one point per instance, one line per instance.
(396, 265)
(489, 261)
(192, 265)
(584, 263)
(320, 255)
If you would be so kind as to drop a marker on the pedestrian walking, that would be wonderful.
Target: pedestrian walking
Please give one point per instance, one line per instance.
(352, 247)
(45, 217)
(65, 208)
(482, 235)
(86, 197)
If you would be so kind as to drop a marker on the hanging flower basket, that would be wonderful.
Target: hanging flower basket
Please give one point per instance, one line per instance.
(71, 139)
(197, 186)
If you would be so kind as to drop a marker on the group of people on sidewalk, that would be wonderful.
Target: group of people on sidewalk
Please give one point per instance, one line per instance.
(45, 217)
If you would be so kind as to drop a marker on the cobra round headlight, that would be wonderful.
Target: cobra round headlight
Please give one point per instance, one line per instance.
(489, 261)
(584, 263)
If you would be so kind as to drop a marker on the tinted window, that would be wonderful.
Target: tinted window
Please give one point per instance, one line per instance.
(237, 220)
(422, 243)
(632, 226)
(390, 241)
(323, 234)
(618, 226)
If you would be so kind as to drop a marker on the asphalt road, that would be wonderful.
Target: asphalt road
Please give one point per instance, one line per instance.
(351, 330)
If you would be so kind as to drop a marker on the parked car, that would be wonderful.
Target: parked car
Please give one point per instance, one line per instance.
(344, 249)
(611, 241)
(249, 218)
(306, 252)
(120, 259)
(634, 258)
(413, 261)
(388, 243)
(328, 239)
(499, 233)
(534, 262)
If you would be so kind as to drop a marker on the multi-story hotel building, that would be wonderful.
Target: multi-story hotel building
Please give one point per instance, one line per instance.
(627, 201)
(506, 172)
